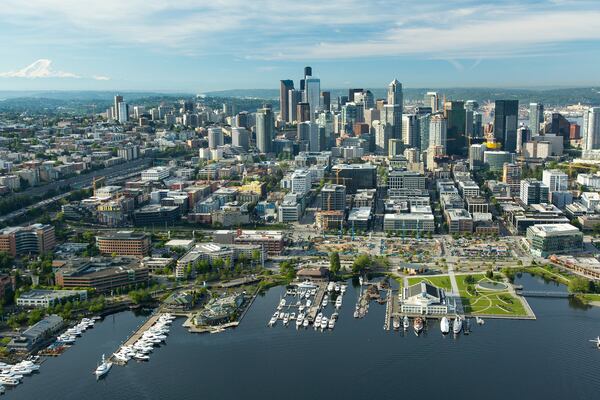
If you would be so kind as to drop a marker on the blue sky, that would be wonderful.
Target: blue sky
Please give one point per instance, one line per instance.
(202, 45)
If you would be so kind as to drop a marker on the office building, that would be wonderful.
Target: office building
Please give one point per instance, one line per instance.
(511, 175)
(455, 114)
(355, 176)
(432, 100)
(505, 124)
(124, 243)
(312, 96)
(395, 101)
(46, 298)
(545, 240)
(406, 180)
(556, 180)
(476, 154)
(438, 130)
(155, 174)
(591, 129)
(103, 274)
(284, 88)
(533, 192)
(118, 99)
(32, 239)
(536, 117)
(496, 159)
(294, 98)
(410, 130)
(123, 112)
(333, 197)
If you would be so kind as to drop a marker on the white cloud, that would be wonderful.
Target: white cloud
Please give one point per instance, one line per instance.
(41, 68)
(100, 78)
(311, 29)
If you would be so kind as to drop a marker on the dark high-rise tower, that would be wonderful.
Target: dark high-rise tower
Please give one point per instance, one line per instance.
(264, 129)
(456, 143)
(505, 124)
(284, 89)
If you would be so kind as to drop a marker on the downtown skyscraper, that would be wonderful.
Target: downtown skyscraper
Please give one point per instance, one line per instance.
(265, 127)
(505, 124)
(395, 100)
(536, 117)
(285, 86)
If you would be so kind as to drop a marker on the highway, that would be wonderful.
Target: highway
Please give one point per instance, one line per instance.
(112, 174)
(85, 179)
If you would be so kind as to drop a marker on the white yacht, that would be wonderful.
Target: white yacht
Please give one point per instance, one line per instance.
(337, 287)
(305, 323)
(457, 325)
(445, 325)
(8, 381)
(479, 320)
(331, 323)
(405, 323)
(325, 301)
(141, 357)
(330, 286)
(286, 318)
(338, 302)
(103, 368)
(324, 322)
(299, 321)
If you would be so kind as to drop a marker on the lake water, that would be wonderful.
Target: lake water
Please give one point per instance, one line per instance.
(549, 358)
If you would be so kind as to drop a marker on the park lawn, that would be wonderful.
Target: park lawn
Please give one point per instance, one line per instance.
(589, 297)
(488, 302)
(439, 281)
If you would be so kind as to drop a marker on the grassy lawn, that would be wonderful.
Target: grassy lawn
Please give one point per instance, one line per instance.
(487, 301)
(589, 297)
(439, 281)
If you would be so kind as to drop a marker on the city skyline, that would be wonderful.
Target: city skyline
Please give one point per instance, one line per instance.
(193, 46)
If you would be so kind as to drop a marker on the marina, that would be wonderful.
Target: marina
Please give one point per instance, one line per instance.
(309, 303)
(254, 350)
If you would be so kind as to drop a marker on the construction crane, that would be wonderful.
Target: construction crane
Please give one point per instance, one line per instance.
(98, 180)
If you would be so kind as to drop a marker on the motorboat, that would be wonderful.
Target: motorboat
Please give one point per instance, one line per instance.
(457, 325)
(292, 316)
(405, 323)
(338, 287)
(396, 324)
(286, 319)
(324, 322)
(305, 323)
(8, 381)
(301, 307)
(308, 303)
(479, 320)
(418, 325)
(103, 368)
(272, 321)
(330, 286)
(597, 341)
(318, 319)
(299, 321)
(325, 302)
(338, 302)
(331, 323)
(141, 357)
(445, 325)
(343, 288)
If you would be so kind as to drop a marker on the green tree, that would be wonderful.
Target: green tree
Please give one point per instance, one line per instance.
(361, 263)
(334, 263)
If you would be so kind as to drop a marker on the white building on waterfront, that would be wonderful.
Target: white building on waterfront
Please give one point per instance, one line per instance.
(425, 299)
